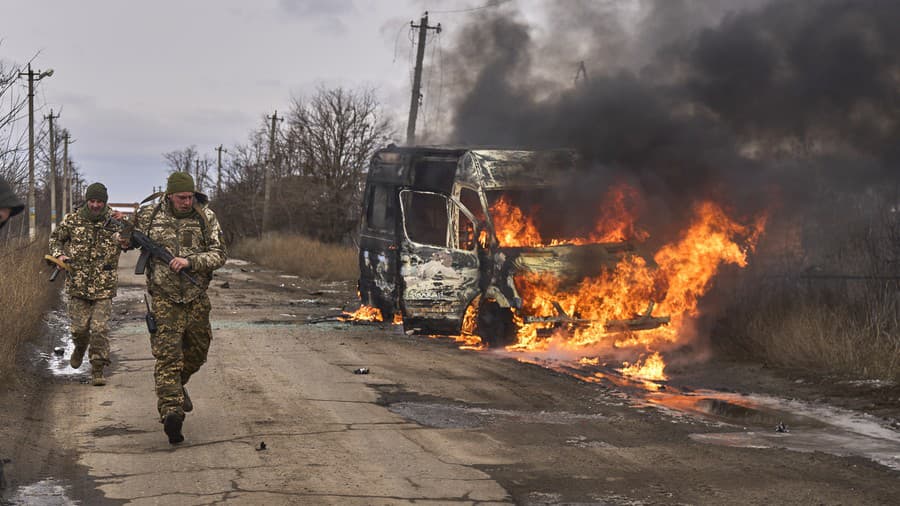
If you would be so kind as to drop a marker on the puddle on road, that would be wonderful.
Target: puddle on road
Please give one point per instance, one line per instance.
(456, 416)
(770, 422)
(59, 347)
(43, 493)
(765, 421)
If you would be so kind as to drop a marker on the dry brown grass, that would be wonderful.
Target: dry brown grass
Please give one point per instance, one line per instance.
(845, 327)
(300, 255)
(25, 295)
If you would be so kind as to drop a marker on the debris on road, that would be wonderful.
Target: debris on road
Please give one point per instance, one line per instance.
(781, 427)
(59, 351)
(261, 447)
(361, 370)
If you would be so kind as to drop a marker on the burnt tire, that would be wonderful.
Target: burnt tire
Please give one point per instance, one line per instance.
(495, 325)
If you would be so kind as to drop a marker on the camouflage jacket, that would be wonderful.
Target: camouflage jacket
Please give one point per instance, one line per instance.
(197, 238)
(94, 252)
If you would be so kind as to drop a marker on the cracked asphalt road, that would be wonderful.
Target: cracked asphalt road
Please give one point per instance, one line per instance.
(429, 424)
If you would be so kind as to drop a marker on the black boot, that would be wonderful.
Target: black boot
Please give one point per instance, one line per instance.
(172, 426)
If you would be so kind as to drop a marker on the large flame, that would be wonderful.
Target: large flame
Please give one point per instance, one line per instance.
(684, 272)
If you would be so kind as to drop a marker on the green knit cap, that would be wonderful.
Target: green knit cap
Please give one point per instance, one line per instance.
(96, 191)
(179, 182)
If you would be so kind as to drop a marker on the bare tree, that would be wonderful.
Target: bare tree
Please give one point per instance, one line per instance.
(328, 144)
(181, 160)
(13, 139)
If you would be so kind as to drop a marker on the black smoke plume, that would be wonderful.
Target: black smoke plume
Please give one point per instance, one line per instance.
(751, 104)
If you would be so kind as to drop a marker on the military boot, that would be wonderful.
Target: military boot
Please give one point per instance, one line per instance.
(77, 356)
(187, 405)
(172, 426)
(97, 378)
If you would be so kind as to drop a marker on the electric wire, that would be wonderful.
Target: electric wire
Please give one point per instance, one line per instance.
(494, 3)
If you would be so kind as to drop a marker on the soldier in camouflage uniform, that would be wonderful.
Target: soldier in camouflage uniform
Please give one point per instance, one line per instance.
(184, 225)
(10, 205)
(90, 245)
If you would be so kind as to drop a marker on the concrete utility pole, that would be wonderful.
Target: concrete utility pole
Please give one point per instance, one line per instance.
(270, 175)
(68, 203)
(32, 77)
(50, 118)
(197, 174)
(417, 77)
(220, 150)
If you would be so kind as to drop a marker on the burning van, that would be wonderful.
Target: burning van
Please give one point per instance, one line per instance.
(442, 247)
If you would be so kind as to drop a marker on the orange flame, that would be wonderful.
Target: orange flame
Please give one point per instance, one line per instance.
(467, 336)
(650, 368)
(364, 313)
(513, 228)
(685, 272)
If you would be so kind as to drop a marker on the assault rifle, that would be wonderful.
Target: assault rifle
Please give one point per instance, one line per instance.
(58, 265)
(152, 249)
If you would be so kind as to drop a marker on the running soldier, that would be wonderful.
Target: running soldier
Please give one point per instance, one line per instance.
(88, 242)
(183, 224)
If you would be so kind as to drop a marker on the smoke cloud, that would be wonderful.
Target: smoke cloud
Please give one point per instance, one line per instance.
(741, 102)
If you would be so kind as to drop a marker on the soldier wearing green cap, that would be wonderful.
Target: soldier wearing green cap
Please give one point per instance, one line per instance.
(89, 244)
(184, 225)
(10, 205)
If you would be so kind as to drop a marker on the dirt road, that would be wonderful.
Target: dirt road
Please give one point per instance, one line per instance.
(281, 418)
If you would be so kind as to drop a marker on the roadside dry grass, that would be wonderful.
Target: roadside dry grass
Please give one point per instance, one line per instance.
(847, 330)
(300, 255)
(25, 295)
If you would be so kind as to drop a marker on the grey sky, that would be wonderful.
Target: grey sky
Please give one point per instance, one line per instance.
(134, 80)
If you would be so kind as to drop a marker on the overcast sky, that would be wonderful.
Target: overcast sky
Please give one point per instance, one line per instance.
(134, 80)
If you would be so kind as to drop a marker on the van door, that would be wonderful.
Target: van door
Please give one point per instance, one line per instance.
(439, 266)
(378, 247)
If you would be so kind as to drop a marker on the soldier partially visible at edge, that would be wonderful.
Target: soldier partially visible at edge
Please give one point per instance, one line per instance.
(89, 244)
(182, 223)
(10, 205)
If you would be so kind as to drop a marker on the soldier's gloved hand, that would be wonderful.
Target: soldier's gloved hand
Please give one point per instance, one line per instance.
(117, 215)
(179, 263)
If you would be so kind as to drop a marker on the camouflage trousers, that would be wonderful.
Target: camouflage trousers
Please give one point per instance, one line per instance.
(90, 327)
(180, 345)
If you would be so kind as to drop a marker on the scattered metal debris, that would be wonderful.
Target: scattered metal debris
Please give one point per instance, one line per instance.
(361, 370)
(781, 427)
(261, 447)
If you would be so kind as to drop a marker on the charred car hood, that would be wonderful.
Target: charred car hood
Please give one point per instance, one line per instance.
(567, 261)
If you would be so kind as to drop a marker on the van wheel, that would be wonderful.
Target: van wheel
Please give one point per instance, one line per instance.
(494, 325)
(387, 311)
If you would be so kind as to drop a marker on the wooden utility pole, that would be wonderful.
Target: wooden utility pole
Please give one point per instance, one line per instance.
(270, 175)
(50, 118)
(220, 150)
(32, 77)
(417, 77)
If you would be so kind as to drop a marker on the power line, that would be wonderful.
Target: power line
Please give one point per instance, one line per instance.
(494, 3)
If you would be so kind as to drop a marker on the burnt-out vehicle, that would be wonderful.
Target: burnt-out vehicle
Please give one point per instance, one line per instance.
(429, 248)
